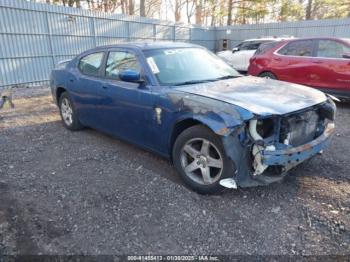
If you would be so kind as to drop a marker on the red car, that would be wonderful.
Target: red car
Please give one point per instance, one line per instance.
(322, 63)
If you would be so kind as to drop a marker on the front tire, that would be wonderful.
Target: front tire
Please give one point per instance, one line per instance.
(268, 75)
(68, 113)
(200, 159)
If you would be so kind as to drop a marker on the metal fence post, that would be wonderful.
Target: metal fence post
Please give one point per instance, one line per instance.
(53, 57)
(92, 26)
(154, 32)
(296, 32)
(128, 31)
(216, 44)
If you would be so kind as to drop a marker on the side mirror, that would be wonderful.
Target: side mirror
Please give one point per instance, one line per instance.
(346, 55)
(130, 75)
(235, 49)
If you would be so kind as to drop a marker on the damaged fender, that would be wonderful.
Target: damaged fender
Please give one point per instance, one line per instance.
(222, 118)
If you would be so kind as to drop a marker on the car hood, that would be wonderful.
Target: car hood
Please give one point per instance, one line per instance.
(259, 95)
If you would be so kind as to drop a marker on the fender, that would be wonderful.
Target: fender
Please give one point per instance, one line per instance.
(221, 117)
(216, 122)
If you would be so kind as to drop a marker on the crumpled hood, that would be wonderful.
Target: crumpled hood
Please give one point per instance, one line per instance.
(259, 95)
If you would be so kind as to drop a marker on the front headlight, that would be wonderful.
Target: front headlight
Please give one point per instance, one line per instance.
(265, 127)
(328, 110)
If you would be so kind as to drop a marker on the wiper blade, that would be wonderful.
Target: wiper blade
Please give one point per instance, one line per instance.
(227, 77)
(191, 82)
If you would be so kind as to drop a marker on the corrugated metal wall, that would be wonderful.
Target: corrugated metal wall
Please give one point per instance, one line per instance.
(34, 37)
(314, 28)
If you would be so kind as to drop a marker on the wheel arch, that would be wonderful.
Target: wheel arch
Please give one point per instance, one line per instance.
(267, 71)
(178, 128)
(217, 126)
(59, 91)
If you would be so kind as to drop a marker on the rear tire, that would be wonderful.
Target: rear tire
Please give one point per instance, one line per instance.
(68, 113)
(200, 159)
(268, 75)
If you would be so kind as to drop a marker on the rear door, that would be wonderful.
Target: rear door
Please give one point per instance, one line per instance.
(330, 70)
(292, 61)
(84, 85)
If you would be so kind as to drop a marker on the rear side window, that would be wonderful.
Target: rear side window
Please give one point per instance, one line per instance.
(91, 64)
(119, 61)
(331, 49)
(297, 48)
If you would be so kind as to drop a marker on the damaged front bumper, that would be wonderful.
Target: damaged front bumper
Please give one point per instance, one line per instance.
(262, 156)
(290, 157)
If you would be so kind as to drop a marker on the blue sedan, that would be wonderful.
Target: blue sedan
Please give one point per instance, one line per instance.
(219, 129)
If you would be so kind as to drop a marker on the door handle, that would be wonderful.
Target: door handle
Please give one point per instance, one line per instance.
(104, 87)
(71, 80)
(317, 62)
(277, 59)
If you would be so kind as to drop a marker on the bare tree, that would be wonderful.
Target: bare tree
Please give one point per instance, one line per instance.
(308, 10)
(131, 7)
(190, 9)
(176, 6)
(213, 13)
(199, 6)
(123, 6)
(152, 7)
(229, 13)
(142, 8)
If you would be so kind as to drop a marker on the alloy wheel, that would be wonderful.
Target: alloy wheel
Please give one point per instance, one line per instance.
(67, 112)
(202, 161)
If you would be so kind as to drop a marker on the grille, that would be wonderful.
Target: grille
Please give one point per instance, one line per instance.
(299, 129)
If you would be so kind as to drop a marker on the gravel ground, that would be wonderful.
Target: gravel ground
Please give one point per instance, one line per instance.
(65, 192)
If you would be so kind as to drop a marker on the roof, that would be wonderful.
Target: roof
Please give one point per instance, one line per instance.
(149, 45)
(318, 38)
(270, 38)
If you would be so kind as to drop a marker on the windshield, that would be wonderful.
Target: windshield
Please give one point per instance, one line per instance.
(180, 66)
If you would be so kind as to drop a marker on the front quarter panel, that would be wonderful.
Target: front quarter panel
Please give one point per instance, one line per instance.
(222, 118)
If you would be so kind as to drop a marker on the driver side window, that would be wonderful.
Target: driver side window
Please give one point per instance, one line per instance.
(118, 61)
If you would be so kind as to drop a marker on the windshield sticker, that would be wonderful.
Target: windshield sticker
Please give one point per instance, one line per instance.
(152, 65)
(173, 51)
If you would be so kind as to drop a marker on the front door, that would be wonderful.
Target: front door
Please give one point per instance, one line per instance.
(331, 70)
(126, 108)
